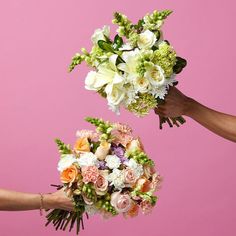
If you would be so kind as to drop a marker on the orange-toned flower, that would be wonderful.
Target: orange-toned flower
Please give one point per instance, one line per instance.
(133, 211)
(143, 184)
(69, 175)
(82, 144)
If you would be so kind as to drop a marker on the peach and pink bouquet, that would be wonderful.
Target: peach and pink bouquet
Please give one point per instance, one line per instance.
(106, 172)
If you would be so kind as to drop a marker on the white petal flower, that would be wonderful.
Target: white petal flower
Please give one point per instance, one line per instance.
(87, 159)
(99, 34)
(146, 39)
(92, 82)
(66, 161)
(117, 178)
(112, 161)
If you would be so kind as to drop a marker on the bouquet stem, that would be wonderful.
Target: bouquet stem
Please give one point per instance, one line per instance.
(177, 121)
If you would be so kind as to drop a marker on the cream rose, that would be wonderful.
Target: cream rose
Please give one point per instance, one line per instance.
(146, 39)
(155, 75)
(102, 150)
(121, 202)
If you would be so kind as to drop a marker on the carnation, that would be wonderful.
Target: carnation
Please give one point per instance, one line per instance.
(87, 159)
(66, 161)
(117, 178)
(112, 161)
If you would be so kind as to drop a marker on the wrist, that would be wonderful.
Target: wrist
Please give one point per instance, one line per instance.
(49, 201)
(189, 106)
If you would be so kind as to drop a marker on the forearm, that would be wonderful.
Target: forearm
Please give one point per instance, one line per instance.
(219, 123)
(17, 201)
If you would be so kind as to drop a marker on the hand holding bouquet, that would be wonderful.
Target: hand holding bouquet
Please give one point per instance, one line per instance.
(136, 68)
(106, 172)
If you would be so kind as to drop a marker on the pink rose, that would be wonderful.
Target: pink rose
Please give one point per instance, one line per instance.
(90, 174)
(121, 202)
(130, 177)
(101, 185)
(146, 207)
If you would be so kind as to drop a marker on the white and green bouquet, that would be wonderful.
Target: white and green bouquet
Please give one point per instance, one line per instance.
(136, 68)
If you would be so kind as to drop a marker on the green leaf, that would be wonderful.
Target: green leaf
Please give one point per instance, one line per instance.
(105, 46)
(118, 42)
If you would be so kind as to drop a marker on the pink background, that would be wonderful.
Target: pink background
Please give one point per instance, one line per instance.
(39, 101)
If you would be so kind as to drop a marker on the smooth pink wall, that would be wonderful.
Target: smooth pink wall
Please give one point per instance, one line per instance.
(39, 101)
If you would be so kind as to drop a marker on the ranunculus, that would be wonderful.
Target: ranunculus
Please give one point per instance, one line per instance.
(89, 134)
(69, 175)
(146, 40)
(130, 177)
(121, 202)
(143, 184)
(66, 161)
(82, 144)
(102, 150)
(99, 34)
(90, 174)
(146, 207)
(101, 185)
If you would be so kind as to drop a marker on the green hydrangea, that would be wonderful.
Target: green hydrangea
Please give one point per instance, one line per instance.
(143, 104)
(165, 57)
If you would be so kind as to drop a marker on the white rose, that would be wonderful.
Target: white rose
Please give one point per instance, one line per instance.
(146, 39)
(87, 159)
(94, 81)
(66, 161)
(112, 161)
(99, 34)
(155, 75)
(141, 84)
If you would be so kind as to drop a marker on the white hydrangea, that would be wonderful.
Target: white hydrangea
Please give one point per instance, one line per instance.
(87, 159)
(117, 178)
(137, 168)
(66, 161)
(112, 161)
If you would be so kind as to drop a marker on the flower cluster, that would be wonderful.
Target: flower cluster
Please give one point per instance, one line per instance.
(108, 172)
(136, 68)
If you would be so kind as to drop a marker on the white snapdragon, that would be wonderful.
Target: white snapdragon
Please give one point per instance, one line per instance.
(113, 161)
(146, 39)
(66, 161)
(117, 179)
(99, 34)
(87, 159)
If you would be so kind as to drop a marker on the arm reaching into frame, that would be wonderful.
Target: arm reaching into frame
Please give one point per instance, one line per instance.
(177, 104)
(18, 201)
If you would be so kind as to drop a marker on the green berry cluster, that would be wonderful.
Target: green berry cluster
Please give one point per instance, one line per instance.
(89, 192)
(76, 60)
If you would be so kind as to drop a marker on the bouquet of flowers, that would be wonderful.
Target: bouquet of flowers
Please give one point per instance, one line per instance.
(106, 172)
(136, 68)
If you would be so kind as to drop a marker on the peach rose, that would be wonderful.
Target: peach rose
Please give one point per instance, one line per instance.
(156, 182)
(135, 144)
(130, 177)
(146, 207)
(121, 202)
(69, 175)
(133, 211)
(102, 150)
(143, 184)
(90, 174)
(82, 144)
(101, 185)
